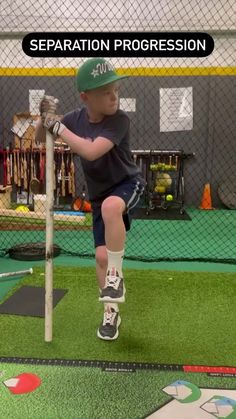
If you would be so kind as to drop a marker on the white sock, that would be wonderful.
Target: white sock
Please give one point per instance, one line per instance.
(115, 261)
(108, 306)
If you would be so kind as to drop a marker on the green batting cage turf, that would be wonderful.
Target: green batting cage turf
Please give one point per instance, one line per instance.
(40, 389)
(168, 317)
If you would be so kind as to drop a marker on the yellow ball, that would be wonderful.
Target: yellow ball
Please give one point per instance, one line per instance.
(22, 208)
(163, 179)
(169, 197)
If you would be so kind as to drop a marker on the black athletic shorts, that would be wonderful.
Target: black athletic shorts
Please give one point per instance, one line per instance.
(130, 191)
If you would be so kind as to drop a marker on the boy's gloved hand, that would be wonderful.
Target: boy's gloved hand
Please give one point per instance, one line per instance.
(53, 125)
(48, 104)
(50, 121)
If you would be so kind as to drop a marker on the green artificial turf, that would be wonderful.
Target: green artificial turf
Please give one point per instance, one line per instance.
(85, 393)
(168, 317)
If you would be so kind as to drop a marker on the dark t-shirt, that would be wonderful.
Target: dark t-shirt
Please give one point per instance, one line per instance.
(114, 166)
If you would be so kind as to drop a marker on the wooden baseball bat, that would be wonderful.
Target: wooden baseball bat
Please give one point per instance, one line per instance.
(18, 170)
(63, 183)
(69, 174)
(4, 168)
(11, 166)
(31, 166)
(72, 174)
(49, 239)
(34, 182)
(57, 170)
(66, 173)
(176, 162)
(8, 168)
(22, 169)
(25, 172)
(42, 166)
(15, 172)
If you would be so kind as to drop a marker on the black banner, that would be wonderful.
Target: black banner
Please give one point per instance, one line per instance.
(118, 44)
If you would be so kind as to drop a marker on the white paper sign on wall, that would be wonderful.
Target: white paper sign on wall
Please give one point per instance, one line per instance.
(34, 99)
(176, 109)
(127, 104)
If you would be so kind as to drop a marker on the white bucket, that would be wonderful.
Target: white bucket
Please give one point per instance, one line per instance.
(40, 203)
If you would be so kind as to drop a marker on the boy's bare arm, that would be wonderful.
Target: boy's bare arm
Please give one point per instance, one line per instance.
(87, 149)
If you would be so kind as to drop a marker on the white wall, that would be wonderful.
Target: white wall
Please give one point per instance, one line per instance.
(11, 55)
(131, 15)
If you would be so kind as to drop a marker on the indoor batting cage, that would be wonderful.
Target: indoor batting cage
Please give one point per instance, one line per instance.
(117, 209)
(182, 131)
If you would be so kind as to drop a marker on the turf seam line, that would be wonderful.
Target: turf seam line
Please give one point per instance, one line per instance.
(105, 365)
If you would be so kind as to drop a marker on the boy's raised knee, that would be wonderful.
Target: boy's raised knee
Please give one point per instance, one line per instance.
(112, 206)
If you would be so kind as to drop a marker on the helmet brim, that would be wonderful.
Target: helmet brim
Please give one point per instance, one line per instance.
(95, 85)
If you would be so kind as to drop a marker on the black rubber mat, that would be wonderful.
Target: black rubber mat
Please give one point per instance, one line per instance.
(30, 301)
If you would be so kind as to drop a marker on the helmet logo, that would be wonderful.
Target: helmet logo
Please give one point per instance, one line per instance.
(101, 68)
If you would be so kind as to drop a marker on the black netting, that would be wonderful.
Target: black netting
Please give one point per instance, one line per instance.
(182, 113)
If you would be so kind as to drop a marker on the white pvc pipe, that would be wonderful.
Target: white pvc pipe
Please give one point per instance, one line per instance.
(7, 274)
(49, 238)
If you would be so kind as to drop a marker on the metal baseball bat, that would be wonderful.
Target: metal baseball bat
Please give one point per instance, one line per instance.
(27, 271)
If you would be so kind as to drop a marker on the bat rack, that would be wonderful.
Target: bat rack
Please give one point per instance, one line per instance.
(163, 171)
(21, 166)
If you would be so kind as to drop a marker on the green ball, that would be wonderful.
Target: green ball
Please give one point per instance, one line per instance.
(169, 197)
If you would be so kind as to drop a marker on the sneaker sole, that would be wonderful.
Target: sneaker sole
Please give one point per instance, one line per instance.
(107, 337)
(108, 299)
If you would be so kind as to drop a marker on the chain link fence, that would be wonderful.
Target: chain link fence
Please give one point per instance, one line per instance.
(182, 135)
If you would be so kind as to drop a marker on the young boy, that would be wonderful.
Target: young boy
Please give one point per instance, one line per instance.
(99, 134)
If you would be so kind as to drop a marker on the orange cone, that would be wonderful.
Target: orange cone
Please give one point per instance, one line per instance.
(206, 202)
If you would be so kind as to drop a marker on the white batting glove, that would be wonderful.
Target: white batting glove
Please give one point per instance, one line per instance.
(48, 104)
(53, 125)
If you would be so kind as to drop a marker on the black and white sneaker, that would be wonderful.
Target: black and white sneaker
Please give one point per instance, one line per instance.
(114, 290)
(109, 327)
